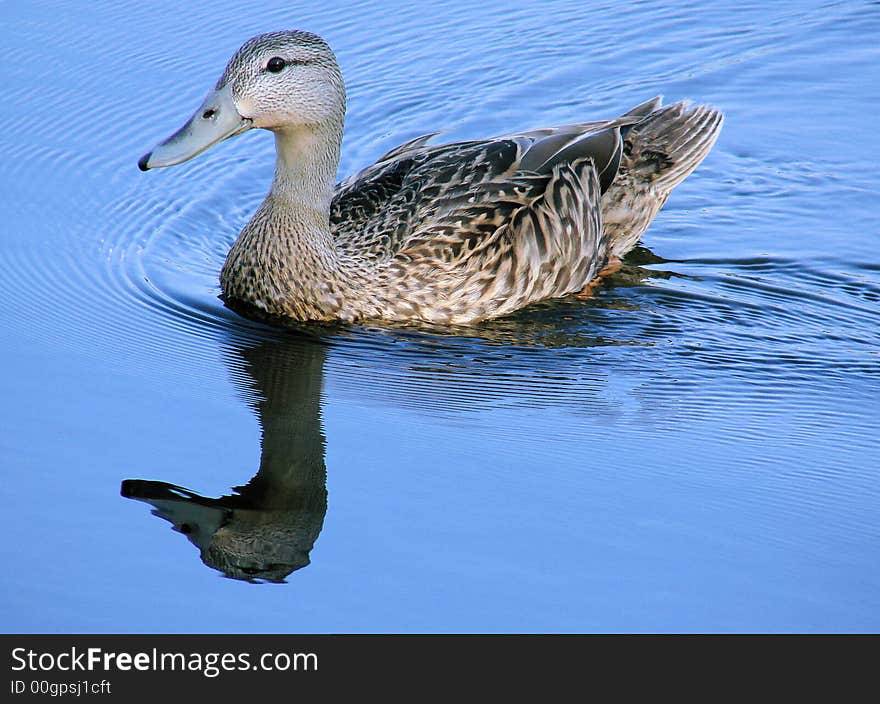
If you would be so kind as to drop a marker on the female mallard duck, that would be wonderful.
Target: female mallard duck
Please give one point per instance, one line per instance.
(452, 233)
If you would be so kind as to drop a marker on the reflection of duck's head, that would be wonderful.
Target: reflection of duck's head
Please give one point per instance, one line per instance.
(241, 537)
(260, 546)
(266, 529)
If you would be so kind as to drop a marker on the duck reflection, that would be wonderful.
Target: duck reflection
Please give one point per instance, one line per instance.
(265, 529)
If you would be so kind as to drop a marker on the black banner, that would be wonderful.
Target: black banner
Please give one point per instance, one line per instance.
(223, 667)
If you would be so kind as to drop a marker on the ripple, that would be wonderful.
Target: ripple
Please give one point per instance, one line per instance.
(151, 281)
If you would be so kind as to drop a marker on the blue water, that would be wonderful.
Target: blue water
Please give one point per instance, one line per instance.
(696, 449)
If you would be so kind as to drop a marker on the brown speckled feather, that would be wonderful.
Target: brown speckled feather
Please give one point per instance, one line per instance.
(477, 229)
(458, 233)
(497, 248)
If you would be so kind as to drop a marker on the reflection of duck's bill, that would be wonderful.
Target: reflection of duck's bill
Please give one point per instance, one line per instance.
(146, 490)
(197, 517)
(216, 119)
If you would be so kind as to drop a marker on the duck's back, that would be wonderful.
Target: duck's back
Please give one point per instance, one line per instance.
(459, 233)
(469, 230)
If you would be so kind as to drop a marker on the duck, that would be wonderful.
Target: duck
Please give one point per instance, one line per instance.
(451, 234)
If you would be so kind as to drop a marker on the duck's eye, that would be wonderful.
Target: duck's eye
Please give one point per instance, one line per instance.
(276, 63)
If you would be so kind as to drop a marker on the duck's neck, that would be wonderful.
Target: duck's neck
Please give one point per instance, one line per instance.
(285, 261)
(305, 168)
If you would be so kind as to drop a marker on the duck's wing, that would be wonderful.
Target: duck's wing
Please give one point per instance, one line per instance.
(376, 212)
(503, 244)
(470, 230)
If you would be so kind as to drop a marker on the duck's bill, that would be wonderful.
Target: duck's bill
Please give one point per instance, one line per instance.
(217, 119)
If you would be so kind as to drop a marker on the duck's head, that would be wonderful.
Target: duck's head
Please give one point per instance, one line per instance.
(277, 81)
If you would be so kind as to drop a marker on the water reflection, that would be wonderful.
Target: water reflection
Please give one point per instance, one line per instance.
(265, 529)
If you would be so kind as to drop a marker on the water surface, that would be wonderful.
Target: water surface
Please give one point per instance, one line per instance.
(693, 450)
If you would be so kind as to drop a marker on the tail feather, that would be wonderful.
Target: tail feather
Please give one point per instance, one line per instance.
(671, 142)
(659, 152)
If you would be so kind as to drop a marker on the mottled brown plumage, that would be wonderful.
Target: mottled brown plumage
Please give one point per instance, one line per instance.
(452, 233)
